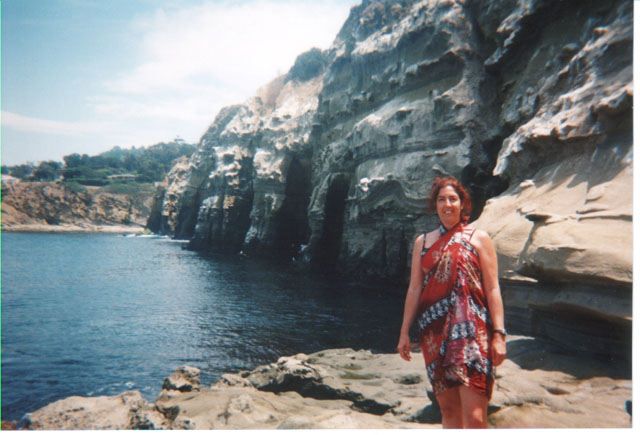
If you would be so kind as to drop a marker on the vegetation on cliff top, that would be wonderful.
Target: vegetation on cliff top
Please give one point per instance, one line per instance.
(308, 65)
(142, 165)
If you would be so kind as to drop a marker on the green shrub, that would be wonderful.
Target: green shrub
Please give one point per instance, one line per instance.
(74, 186)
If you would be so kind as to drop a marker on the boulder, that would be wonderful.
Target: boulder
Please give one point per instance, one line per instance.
(374, 384)
(184, 379)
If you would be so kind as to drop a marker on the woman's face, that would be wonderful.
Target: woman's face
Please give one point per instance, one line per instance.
(449, 206)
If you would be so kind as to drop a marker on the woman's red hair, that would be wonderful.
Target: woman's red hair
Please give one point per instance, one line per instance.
(465, 199)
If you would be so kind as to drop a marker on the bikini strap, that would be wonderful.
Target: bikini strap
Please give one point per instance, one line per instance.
(472, 233)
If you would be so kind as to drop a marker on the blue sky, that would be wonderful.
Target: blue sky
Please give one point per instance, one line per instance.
(86, 75)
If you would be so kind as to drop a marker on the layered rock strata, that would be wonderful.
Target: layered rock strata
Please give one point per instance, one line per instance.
(537, 387)
(528, 102)
(563, 227)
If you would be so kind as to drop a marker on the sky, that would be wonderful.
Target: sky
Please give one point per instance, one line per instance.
(83, 76)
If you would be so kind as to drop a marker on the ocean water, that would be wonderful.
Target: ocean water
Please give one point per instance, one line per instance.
(98, 314)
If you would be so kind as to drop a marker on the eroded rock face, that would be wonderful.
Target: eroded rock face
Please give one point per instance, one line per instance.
(569, 161)
(43, 206)
(406, 99)
(246, 188)
(564, 223)
(528, 102)
(491, 93)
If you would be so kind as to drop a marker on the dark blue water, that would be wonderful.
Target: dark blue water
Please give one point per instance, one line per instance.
(92, 314)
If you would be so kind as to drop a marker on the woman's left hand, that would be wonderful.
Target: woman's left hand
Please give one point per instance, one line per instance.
(498, 349)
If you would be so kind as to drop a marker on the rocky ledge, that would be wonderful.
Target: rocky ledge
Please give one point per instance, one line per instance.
(538, 386)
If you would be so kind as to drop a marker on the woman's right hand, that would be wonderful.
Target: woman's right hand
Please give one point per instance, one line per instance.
(413, 298)
(404, 347)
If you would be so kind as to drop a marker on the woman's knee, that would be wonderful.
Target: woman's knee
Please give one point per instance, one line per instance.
(474, 408)
(475, 418)
(449, 402)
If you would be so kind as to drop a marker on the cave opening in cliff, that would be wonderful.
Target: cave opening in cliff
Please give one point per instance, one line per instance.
(328, 248)
(478, 179)
(292, 227)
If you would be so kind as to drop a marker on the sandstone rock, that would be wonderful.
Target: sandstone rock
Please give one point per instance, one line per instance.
(380, 130)
(50, 206)
(8, 425)
(527, 102)
(565, 220)
(545, 387)
(248, 408)
(368, 381)
(232, 380)
(184, 379)
(126, 411)
(570, 240)
(231, 194)
(539, 385)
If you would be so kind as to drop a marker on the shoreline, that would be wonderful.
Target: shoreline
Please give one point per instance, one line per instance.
(73, 228)
(536, 387)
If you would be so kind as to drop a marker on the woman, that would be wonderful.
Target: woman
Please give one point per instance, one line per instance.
(455, 292)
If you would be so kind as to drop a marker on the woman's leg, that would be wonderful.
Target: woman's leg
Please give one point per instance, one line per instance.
(450, 408)
(461, 407)
(474, 408)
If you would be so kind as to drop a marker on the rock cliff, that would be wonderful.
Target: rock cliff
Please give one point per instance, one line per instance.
(50, 206)
(528, 102)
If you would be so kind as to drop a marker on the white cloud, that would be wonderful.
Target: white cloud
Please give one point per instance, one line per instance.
(28, 124)
(196, 60)
(231, 43)
(193, 57)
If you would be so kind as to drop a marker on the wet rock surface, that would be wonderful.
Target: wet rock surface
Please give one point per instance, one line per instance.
(538, 386)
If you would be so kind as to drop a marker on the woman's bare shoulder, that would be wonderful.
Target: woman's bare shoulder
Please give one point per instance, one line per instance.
(479, 238)
(434, 233)
(427, 239)
(432, 236)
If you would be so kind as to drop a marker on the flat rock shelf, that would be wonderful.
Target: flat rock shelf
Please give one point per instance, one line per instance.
(537, 387)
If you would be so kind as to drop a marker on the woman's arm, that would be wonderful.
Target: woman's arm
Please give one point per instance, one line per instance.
(412, 300)
(489, 265)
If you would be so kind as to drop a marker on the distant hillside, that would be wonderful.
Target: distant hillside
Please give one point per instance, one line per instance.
(142, 164)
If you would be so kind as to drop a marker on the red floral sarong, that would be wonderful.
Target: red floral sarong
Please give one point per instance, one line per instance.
(453, 316)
